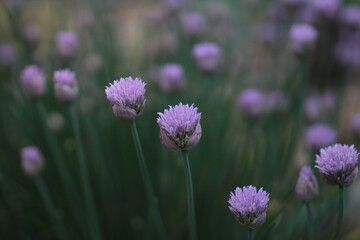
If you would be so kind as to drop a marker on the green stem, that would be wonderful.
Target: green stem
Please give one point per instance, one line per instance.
(341, 212)
(251, 234)
(190, 197)
(310, 221)
(89, 201)
(147, 181)
(59, 226)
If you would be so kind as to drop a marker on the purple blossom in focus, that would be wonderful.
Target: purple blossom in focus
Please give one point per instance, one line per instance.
(356, 125)
(307, 187)
(249, 206)
(33, 81)
(7, 55)
(338, 164)
(180, 127)
(302, 38)
(207, 56)
(194, 25)
(32, 161)
(66, 87)
(319, 136)
(172, 79)
(67, 44)
(127, 97)
(251, 102)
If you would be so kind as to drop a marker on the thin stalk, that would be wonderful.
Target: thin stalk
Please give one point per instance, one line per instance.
(310, 221)
(58, 224)
(251, 234)
(89, 201)
(190, 197)
(147, 181)
(341, 213)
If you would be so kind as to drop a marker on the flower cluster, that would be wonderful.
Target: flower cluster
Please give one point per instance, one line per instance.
(127, 97)
(338, 164)
(32, 161)
(33, 81)
(319, 136)
(66, 87)
(180, 127)
(208, 57)
(249, 206)
(302, 38)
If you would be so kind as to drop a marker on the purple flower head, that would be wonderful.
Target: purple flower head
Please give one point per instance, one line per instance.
(356, 125)
(207, 56)
(127, 97)
(326, 8)
(32, 161)
(173, 5)
(277, 102)
(350, 16)
(33, 81)
(294, 3)
(347, 50)
(180, 127)
(251, 102)
(307, 188)
(67, 44)
(319, 136)
(312, 108)
(32, 34)
(307, 15)
(172, 78)
(338, 164)
(66, 87)
(269, 34)
(7, 55)
(194, 25)
(302, 38)
(249, 206)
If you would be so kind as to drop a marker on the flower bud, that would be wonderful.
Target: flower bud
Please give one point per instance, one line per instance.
(307, 188)
(66, 88)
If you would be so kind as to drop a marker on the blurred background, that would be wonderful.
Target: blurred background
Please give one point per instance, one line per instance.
(270, 95)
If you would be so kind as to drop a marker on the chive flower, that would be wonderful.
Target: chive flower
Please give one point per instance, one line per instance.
(307, 187)
(338, 164)
(67, 44)
(249, 206)
(7, 55)
(251, 102)
(326, 8)
(172, 79)
(66, 87)
(180, 127)
(302, 39)
(207, 56)
(127, 98)
(33, 81)
(32, 161)
(356, 125)
(194, 25)
(319, 136)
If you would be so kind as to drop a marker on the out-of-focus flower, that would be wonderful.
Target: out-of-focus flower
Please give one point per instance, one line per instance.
(55, 121)
(277, 102)
(319, 136)
(92, 63)
(269, 34)
(13, 4)
(251, 102)
(7, 55)
(127, 97)
(302, 39)
(85, 19)
(32, 34)
(32, 161)
(329, 100)
(356, 125)
(67, 44)
(172, 79)
(307, 188)
(208, 57)
(180, 127)
(326, 8)
(312, 108)
(249, 206)
(338, 164)
(294, 3)
(347, 51)
(306, 15)
(350, 16)
(33, 81)
(194, 25)
(66, 87)
(173, 5)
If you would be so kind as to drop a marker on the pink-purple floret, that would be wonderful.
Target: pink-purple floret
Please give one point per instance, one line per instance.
(32, 160)
(338, 164)
(249, 205)
(319, 136)
(307, 188)
(65, 77)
